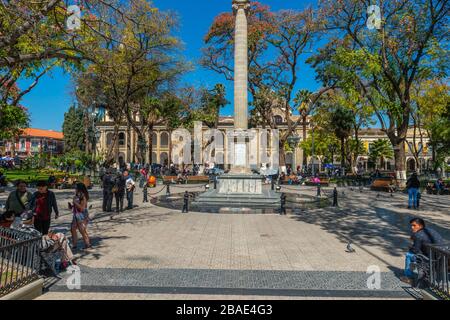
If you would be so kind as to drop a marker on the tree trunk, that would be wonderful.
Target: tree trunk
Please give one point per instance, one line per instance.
(282, 157)
(342, 152)
(129, 143)
(400, 161)
(305, 157)
(150, 143)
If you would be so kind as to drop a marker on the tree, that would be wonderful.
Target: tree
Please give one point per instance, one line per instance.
(73, 129)
(383, 65)
(342, 122)
(380, 150)
(13, 116)
(430, 108)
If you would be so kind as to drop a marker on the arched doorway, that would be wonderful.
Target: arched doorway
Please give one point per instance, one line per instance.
(164, 158)
(411, 164)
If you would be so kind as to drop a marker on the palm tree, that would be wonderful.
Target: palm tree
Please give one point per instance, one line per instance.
(381, 149)
(342, 120)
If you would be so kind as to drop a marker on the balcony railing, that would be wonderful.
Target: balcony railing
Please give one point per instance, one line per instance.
(19, 259)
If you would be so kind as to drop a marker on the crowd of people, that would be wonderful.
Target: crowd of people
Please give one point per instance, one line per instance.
(25, 210)
(116, 185)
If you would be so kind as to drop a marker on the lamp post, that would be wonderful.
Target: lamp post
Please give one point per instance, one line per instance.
(332, 149)
(293, 142)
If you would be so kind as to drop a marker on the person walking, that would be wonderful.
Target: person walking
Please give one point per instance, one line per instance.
(119, 191)
(130, 186)
(412, 185)
(144, 183)
(107, 185)
(19, 200)
(80, 213)
(42, 204)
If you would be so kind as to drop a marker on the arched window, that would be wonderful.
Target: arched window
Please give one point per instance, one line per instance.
(109, 138)
(278, 119)
(154, 139)
(154, 157)
(121, 139)
(164, 139)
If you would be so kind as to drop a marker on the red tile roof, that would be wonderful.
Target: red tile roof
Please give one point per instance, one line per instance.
(31, 132)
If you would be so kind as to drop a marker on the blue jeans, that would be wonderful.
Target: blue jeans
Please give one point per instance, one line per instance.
(410, 257)
(412, 197)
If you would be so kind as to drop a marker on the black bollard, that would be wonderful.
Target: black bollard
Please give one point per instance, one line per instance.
(168, 190)
(185, 202)
(335, 197)
(272, 182)
(215, 183)
(283, 204)
(319, 192)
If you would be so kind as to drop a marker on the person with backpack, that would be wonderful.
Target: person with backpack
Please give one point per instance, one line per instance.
(412, 185)
(421, 236)
(18, 201)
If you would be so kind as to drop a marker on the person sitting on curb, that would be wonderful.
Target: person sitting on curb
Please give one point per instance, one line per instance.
(421, 237)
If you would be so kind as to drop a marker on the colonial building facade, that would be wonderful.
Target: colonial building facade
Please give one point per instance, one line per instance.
(33, 141)
(162, 145)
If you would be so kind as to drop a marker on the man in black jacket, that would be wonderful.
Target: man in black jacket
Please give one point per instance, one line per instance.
(42, 204)
(120, 186)
(107, 184)
(421, 237)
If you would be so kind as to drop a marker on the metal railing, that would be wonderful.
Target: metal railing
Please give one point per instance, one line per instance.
(19, 259)
(439, 272)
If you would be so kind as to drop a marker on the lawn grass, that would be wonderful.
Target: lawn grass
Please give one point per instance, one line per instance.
(33, 175)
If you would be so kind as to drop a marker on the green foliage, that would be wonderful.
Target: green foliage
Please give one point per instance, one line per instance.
(381, 149)
(13, 120)
(73, 129)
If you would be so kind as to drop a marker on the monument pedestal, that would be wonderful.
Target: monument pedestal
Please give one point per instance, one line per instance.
(240, 192)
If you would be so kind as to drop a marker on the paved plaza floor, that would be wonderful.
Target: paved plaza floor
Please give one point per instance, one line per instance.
(156, 253)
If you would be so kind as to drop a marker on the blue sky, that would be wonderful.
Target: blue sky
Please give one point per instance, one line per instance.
(52, 97)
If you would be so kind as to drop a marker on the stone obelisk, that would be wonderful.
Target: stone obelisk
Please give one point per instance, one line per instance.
(240, 8)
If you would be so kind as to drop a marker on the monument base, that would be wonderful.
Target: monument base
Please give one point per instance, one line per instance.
(239, 192)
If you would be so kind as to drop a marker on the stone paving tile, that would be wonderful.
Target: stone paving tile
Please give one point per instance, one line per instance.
(152, 239)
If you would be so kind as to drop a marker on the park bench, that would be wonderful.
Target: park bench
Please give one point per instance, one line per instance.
(197, 179)
(384, 184)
